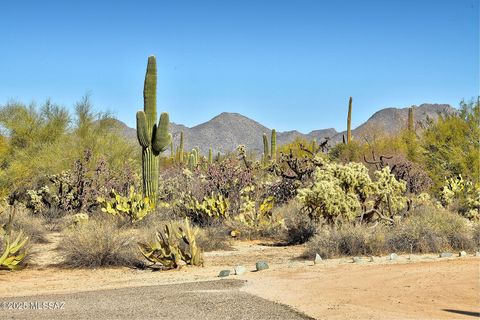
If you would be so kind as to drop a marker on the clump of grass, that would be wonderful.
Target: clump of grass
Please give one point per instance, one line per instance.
(214, 237)
(99, 243)
(32, 225)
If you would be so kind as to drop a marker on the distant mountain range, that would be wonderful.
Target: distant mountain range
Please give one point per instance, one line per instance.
(228, 130)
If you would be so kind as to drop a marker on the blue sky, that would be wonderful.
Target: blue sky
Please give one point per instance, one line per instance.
(287, 64)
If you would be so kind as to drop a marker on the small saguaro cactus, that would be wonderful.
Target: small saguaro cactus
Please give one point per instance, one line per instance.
(210, 156)
(411, 127)
(153, 138)
(349, 121)
(273, 142)
(192, 162)
(180, 153)
(266, 151)
(172, 153)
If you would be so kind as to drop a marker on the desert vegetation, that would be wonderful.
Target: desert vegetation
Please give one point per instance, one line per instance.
(155, 204)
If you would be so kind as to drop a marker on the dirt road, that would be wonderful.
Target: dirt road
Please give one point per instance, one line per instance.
(198, 300)
(411, 287)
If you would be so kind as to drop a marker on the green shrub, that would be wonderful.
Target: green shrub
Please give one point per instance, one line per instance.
(99, 243)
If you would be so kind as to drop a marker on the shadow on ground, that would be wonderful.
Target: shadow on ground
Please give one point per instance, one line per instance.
(465, 313)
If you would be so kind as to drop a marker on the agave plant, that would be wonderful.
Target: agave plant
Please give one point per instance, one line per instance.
(13, 252)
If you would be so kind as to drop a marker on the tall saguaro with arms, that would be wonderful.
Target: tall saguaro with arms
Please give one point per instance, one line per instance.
(154, 138)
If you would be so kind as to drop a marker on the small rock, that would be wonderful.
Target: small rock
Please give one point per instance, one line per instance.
(239, 270)
(445, 255)
(393, 256)
(371, 259)
(318, 259)
(224, 273)
(462, 254)
(356, 260)
(261, 265)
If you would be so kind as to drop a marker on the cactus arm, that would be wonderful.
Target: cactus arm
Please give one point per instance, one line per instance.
(162, 137)
(142, 131)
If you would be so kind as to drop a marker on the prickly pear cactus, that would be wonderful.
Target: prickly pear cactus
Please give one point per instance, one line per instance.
(175, 245)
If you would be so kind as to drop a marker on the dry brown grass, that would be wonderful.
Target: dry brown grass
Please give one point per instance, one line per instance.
(100, 243)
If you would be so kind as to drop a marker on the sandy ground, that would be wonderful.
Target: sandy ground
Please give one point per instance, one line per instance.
(412, 287)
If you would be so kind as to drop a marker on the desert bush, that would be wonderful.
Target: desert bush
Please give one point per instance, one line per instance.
(476, 236)
(228, 178)
(37, 136)
(299, 228)
(283, 191)
(214, 237)
(347, 240)
(451, 144)
(99, 243)
(430, 229)
(32, 225)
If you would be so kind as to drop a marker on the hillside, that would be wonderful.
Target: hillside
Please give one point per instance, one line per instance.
(228, 130)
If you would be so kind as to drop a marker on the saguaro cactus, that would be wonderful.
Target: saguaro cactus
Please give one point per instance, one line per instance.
(266, 151)
(349, 121)
(273, 142)
(210, 156)
(180, 153)
(411, 127)
(153, 138)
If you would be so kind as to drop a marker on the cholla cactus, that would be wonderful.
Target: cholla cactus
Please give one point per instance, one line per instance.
(388, 192)
(345, 192)
(465, 194)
